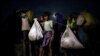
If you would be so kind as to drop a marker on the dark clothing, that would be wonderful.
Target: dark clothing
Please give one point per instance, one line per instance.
(26, 42)
(56, 41)
(25, 35)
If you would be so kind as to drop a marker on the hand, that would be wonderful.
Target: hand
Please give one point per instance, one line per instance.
(52, 37)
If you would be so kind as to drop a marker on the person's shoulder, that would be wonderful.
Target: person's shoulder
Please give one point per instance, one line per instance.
(51, 20)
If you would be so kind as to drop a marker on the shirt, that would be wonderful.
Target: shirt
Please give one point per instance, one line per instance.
(48, 25)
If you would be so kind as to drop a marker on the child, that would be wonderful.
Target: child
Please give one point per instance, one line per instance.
(48, 33)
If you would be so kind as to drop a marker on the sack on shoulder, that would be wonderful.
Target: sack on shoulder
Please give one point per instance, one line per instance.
(69, 40)
(36, 31)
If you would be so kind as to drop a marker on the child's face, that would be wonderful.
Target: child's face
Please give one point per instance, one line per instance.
(46, 17)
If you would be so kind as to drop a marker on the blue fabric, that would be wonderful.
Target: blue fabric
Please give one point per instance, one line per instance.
(60, 20)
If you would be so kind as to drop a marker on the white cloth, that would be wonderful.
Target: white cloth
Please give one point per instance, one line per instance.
(48, 25)
(25, 24)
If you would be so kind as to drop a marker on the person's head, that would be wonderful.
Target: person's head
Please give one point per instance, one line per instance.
(59, 16)
(46, 16)
(23, 13)
(80, 19)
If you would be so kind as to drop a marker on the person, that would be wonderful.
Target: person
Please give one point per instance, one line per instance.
(48, 35)
(58, 29)
(32, 44)
(41, 20)
(41, 51)
(71, 23)
(25, 30)
(59, 18)
(85, 23)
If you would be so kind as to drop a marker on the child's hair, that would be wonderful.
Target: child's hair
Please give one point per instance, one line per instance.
(46, 14)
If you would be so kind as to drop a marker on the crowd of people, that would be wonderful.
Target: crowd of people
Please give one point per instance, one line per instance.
(49, 45)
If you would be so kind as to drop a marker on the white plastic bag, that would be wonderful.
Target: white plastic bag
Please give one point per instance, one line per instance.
(69, 40)
(36, 31)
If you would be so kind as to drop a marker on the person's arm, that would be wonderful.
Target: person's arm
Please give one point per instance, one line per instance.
(52, 31)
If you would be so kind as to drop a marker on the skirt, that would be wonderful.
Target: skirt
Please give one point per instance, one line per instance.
(47, 38)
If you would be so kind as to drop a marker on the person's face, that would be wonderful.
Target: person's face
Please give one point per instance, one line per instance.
(23, 15)
(46, 17)
(80, 20)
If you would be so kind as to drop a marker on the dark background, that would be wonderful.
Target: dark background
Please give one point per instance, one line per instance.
(38, 6)
(65, 7)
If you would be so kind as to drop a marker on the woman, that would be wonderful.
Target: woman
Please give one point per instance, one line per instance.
(48, 34)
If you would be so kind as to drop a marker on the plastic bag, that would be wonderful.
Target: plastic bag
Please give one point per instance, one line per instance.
(36, 31)
(69, 40)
